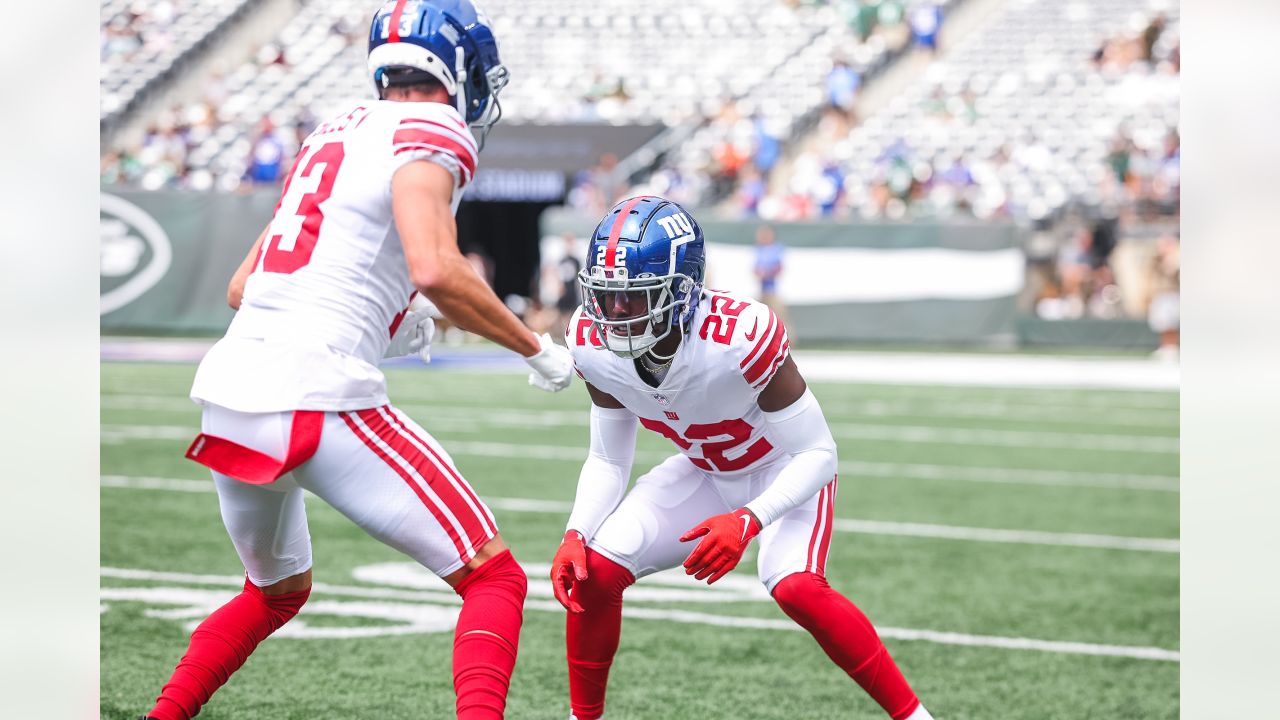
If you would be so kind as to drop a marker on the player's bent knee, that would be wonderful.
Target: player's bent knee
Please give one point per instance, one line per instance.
(499, 570)
(795, 592)
(605, 578)
(281, 605)
(291, 584)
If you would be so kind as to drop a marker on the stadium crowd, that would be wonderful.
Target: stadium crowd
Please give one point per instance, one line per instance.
(984, 133)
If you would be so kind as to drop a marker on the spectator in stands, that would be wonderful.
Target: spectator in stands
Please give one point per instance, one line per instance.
(768, 266)
(767, 145)
(926, 23)
(842, 95)
(1163, 295)
(751, 190)
(267, 155)
(1151, 35)
(595, 190)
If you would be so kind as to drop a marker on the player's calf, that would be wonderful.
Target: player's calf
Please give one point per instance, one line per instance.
(592, 636)
(487, 636)
(849, 639)
(222, 643)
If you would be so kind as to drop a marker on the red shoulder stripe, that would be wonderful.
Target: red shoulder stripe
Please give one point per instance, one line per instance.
(777, 362)
(761, 366)
(450, 140)
(764, 339)
(457, 132)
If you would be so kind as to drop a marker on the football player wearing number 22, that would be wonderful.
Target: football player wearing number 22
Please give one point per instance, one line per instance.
(293, 399)
(711, 372)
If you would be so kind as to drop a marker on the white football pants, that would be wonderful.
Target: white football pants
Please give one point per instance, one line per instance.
(643, 533)
(377, 467)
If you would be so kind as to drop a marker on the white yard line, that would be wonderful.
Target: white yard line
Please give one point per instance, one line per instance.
(116, 434)
(1021, 537)
(865, 527)
(990, 370)
(1006, 438)
(231, 582)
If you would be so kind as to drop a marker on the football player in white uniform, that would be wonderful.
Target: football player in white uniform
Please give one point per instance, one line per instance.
(292, 395)
(710, 371)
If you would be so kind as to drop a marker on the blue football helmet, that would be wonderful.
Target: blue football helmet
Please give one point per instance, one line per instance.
(450, 40)
(643, 275)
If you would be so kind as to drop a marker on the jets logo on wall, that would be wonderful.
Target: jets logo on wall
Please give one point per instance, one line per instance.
(135, 253)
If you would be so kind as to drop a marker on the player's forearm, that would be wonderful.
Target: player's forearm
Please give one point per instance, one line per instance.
(235, 289)
(467, 301)
(607, 470)
(801, 431)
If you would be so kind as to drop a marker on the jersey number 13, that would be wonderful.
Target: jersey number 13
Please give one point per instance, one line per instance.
(292, 236)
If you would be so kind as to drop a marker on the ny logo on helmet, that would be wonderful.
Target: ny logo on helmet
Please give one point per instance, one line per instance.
(676, 225)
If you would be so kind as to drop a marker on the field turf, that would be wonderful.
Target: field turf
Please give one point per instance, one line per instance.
(1016, 547)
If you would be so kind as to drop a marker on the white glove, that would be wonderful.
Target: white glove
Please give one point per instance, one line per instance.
(417, 328)
(552, 367)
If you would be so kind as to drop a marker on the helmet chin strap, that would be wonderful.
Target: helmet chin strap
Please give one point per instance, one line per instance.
(653, 349)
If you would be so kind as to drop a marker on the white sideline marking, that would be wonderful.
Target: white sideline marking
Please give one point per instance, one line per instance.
(954, 369)
(115, 434)
(836, 409)
(865, 527)
(1093, 442)
(195, 604)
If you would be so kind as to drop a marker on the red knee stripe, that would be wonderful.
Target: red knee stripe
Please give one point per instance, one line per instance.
(413, 477)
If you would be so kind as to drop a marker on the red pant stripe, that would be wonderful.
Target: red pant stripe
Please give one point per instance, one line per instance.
(825, 546)
(818, 530)
(418, 484)
(468, 521)
(474, 504)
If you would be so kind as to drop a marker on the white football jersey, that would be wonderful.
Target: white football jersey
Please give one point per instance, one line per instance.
(331, 281)
(706, 404)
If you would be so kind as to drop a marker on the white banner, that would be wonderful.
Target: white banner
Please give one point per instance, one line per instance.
(824, 276)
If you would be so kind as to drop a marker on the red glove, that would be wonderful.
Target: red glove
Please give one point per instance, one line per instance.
(569, 566)
(726, 538)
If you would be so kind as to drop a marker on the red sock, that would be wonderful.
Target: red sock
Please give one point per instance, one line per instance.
(487, 636)
(220, 645)
(848, 638)
(592, 636)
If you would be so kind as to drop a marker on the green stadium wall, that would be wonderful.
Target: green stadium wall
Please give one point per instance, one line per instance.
(167, 256)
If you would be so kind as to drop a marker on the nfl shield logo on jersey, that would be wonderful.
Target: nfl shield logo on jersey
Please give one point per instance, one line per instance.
(662, 399)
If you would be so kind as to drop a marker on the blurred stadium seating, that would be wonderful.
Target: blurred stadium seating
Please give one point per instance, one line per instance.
(143, 43)
(1059, 117)
(677, 63)
(1020, 119)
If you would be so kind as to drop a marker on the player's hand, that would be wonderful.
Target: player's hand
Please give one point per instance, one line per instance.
(724, 538)
(416, 331)
(569, 567)
(552, 366)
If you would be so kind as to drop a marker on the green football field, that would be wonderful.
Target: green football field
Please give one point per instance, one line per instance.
(1016, 548)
